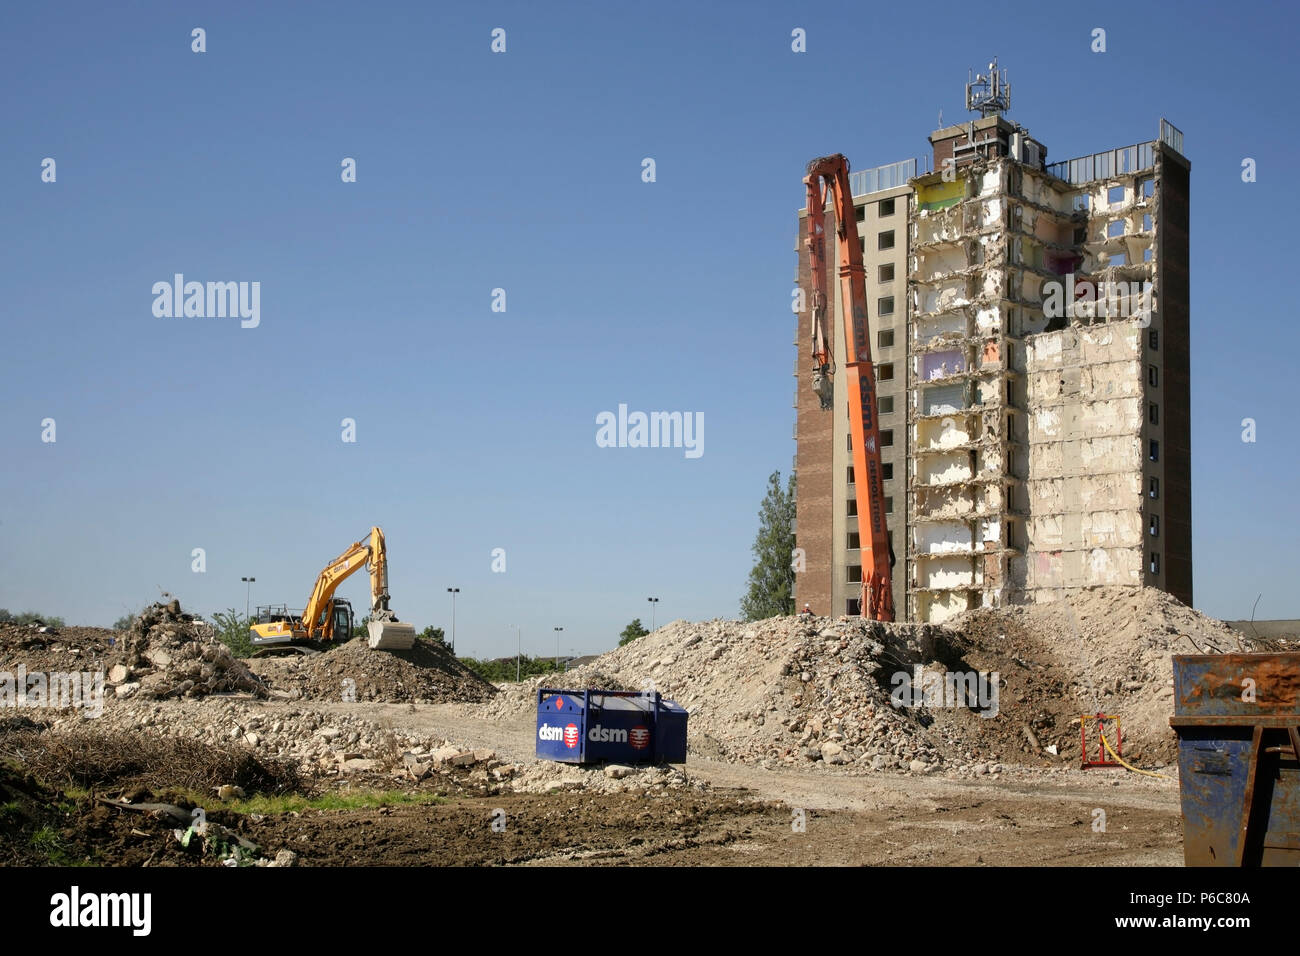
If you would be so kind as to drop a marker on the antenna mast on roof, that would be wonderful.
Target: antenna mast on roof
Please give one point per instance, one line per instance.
(989, 94)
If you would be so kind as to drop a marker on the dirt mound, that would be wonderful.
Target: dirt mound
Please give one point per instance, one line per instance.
(1109, 650)
(57, 649)
(835, 692)
(427, 673)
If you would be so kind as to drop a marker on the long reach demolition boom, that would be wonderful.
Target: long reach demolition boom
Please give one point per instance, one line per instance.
(828, 178)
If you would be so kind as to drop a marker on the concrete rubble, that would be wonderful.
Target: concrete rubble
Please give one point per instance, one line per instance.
(816, 693)
(167, 653)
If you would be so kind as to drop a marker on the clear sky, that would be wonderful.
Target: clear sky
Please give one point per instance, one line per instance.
(522, 171)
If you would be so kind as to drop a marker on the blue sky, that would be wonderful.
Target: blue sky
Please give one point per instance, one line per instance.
(476, 429)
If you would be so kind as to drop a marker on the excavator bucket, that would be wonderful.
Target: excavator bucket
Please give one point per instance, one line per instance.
(391, 635)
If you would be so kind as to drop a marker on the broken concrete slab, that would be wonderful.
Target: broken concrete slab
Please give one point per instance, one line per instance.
(158, 657)
(444, 754)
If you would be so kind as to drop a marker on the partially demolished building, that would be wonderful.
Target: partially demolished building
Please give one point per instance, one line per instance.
(1030, 328)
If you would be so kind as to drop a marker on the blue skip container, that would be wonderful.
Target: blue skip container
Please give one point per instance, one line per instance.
(1237, 717)
(609, 726)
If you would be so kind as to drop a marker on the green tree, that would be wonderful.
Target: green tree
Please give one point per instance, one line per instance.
(504, 669)
(124, 623)
(771, 580)
(232, 629)
(435, 634)
(632, 632)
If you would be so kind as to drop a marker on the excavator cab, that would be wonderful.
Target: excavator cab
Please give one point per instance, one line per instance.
(341, 629)
(271, 613)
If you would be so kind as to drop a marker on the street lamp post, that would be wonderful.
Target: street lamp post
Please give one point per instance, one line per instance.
(557, 631)
(653, 604)
(247, 593)
(453, 592)
(519, 649)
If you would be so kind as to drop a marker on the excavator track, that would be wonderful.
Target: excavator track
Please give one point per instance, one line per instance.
(285, 650)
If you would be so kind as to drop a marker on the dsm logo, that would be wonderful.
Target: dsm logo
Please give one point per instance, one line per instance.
(607, 735)
(638, 737)
(568, 733)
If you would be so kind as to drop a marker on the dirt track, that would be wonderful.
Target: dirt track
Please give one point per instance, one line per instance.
(883, 819)
(721, 829)
(746, 816)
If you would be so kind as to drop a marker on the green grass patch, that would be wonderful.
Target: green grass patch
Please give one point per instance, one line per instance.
(10, 812)
(49, 844)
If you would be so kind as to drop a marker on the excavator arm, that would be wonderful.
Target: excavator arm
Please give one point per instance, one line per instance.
(828, 178)
(379, 578)
(385, 630)
(823, 360)
(315, 618)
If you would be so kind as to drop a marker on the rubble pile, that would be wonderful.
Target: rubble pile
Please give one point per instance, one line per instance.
(327, 745)
(55, 649)
(820, 692)
(167, 653)
(817, 693)
(545, 776)
(1109, 650)
(315, 741)
(785, 690)
(427, 673)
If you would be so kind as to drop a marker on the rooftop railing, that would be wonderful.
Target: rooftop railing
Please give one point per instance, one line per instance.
(1116, 162)
(866, 181)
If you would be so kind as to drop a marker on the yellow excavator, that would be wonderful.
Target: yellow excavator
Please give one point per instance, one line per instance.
(327, 619)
